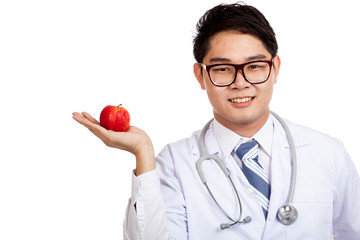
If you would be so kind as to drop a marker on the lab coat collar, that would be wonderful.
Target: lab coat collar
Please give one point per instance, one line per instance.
(299, 139)
(213, 146)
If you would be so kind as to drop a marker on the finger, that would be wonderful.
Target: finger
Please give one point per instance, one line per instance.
(84, 121)
(90, 118)
(93, 126)
(98, 131)
(78, 117)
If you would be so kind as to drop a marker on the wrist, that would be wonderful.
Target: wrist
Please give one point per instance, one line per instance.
(145, 159)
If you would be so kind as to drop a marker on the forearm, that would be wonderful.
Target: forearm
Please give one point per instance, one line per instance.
(145, 160)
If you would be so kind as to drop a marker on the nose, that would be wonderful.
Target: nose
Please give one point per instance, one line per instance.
(240, 81)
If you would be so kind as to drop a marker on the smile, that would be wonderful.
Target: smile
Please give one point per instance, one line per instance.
(241, 100)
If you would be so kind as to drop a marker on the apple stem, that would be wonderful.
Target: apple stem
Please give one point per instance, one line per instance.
(119, 105)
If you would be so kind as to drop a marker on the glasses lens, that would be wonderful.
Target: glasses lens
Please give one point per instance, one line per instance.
(222, 74)
(256, 72)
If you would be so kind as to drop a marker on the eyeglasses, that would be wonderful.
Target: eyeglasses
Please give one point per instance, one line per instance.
(254, 72)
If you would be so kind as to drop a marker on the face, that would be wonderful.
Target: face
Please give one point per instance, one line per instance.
(242, 107)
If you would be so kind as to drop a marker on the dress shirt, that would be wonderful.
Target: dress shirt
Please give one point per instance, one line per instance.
(171, 202)
(228, 139)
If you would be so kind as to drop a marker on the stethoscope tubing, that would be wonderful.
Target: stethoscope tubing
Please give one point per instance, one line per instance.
(206, 156)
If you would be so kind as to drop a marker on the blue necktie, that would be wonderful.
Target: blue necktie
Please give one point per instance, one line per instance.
(248, 154)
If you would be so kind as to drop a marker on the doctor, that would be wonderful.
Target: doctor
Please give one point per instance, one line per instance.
(237, 65)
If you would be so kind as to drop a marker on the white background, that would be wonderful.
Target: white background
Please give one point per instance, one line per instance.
(58, 181)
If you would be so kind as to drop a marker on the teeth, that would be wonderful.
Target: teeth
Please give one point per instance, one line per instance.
(241, 100)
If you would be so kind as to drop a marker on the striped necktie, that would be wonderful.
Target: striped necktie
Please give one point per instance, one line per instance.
(248, 154)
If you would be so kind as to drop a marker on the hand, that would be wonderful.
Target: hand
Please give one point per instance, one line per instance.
(135, 141)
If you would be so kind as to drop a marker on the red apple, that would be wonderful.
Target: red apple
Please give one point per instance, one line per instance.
(115, 118)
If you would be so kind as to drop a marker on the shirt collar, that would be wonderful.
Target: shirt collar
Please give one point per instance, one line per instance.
(265, 135)
(228, 139)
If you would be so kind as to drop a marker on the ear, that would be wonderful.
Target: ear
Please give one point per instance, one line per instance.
(277, 64)
(199, 76)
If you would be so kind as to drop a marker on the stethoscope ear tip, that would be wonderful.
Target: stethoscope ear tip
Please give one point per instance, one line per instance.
(227, 225)
(247, 219)
(224, 226)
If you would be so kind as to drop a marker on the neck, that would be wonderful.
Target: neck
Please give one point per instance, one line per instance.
(245, 129)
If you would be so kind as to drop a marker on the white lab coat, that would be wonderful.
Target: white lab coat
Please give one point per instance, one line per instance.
(326, 196)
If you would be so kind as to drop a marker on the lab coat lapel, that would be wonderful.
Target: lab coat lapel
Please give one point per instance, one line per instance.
(281, 165)
(280, 170)
(211, 145)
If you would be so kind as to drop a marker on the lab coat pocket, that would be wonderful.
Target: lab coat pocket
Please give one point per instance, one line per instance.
(315, 210)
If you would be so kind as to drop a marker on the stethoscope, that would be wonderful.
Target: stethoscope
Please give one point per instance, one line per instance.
(287, 214)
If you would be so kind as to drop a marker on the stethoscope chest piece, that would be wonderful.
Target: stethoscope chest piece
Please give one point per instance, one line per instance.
(287, 214)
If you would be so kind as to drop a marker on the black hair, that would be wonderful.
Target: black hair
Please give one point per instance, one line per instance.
(239, 17)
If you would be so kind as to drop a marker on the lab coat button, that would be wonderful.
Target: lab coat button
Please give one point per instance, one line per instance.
(249, 192)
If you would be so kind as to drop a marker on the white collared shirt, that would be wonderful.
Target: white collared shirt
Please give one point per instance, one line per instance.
(228, 139)
(172, 202)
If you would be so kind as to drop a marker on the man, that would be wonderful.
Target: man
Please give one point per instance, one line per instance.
(237, 65)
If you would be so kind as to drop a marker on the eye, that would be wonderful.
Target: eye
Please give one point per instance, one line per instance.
(253, 66)
(256, 66)
(222, 69)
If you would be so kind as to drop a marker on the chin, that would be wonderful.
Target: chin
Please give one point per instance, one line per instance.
(244, 120)
(248, 117)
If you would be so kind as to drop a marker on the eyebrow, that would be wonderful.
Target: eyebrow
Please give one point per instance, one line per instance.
(219, 59)
(256, 57)
(227, 60)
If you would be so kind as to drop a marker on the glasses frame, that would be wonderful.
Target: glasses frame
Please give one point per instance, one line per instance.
(237, 68)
